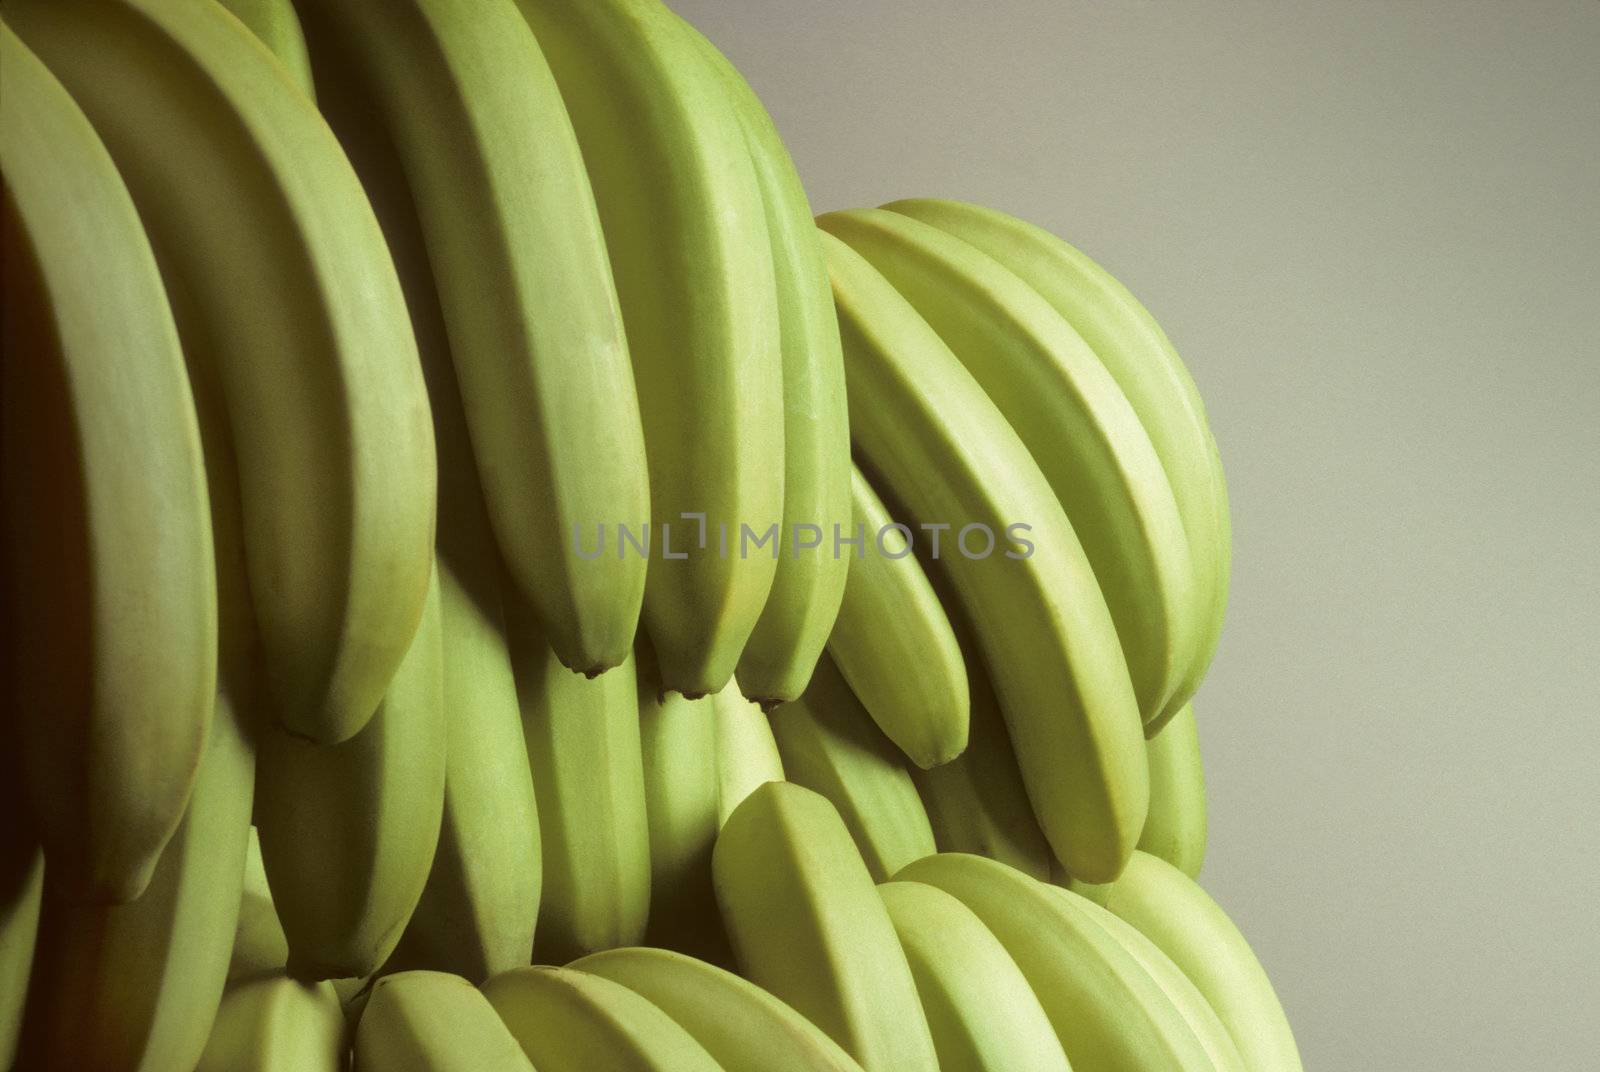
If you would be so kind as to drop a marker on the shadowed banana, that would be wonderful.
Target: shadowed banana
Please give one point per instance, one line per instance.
(747, 755)
(277, 26)
(1175, 829)
(277, 1024)
(259, 945)
(21, 892)
(428, 1021)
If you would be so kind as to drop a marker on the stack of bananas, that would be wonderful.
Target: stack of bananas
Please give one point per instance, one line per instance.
(437, 547)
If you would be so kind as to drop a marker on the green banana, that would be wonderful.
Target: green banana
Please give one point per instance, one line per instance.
(1175, 829)
(983, 1015)
(681, 207)
(807, 925)
(1167, 907)
(21, 893)
(1132, 346)
(747, 754)
(808, 587)
(588, 775)
(1109, 1014)
(348, 831)
(276, 25)
(523, 284)
(427, 1021)
(935, 444)
(276, 1024)
(742, 1026)
(1075, 420)
(571, 1021)
(259, 945)
(112, 619)
(286, 296)
(829, 745)
(893, 643)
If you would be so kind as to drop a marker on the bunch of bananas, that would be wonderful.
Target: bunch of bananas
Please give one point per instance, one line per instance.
(437, 547)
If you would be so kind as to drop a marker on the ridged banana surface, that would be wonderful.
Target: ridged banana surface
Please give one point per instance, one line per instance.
(428, 1021)
(1175, 829)
(276, 25)
(747, 754)
(259, 945)
(277, 1024)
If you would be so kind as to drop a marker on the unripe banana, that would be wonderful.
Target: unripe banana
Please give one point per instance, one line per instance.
(21, 891)
(983, 1015)
(111, 619)
(427, 1021)
(807, 925)
(277, 26)
(1175, 829)
(893, 642)
(259, 945)
(285, 295)
(742, 1026)
(276, 1024)
(829, 745)
(681, 207)
(747, 754)
(571, 1021)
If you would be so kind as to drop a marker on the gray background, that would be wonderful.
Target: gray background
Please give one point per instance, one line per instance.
(1373, 231)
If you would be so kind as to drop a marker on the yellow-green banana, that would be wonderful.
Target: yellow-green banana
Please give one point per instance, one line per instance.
(571, 1021)
(348, 831)
(259, 945)
(1167, 907)
(681, 207)
(742, 1026)
(983, 1015)
(747, 755)
(1139, 356)
(428, 1021)
(110, 615)
(829, 745)
(285, 294)
(277, 1024)
(21, 892)
(277, 26)
(893, 642)
(807, 925)
(936, 446)
(1175, 829)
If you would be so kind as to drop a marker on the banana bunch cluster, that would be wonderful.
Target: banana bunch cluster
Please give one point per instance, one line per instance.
(435, 542)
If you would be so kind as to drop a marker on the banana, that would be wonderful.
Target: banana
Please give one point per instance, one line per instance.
(893, 643)
(983, 1015)
(742, 1026)
(681, 208)
(426, 1021)
(1109, 1014)
(136, 985)
(1074, 419)
(937, 447)
(588, 775)
(21, 893)
(276, 1024)
(259, 945)
(276, 25)
(679, 744)
(807, 925)
(571, 1021)
(348, 831)
(524, 287)
(1175, 830)
(1137, 353)
(809, 585)
(112, 619)
(285, 294)
(829, 745)
(747, 754)
(1167, 907)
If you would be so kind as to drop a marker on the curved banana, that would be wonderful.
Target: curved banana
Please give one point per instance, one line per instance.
(747, 754)
(112, 619)
(276, 1024)
(1167, 907)
(742, 1026)
(1132, 346)
(348, 831)
(276, 25)
(259, 945)
(286, 296)
(983, 1015)
(571, 1021)
(807, 925)
(21, 895)
(1075, 420)
(584, 750)
(428, 1021)
(1107, 1011)
(830, 746)
(1175, 829)
(681, 207)
(936, 445)
(893, 643)
(523, 284)
(809, 584)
